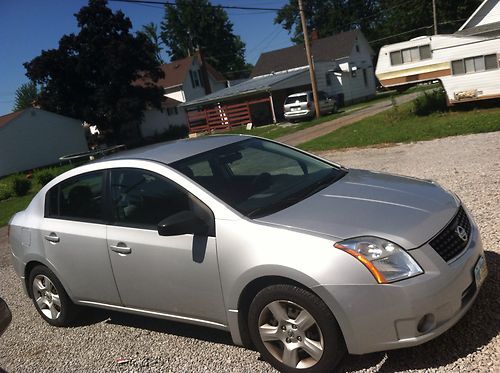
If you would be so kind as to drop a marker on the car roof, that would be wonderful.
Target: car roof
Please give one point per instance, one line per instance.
(172, 151)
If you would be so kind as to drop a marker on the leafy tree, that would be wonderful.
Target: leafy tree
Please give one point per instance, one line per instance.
(377, 19)
(91, 75)
(192, 24)
(151, 32)
(26, 95)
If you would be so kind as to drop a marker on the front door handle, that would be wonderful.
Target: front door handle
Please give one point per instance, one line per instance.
(121, 248)
(52, 238)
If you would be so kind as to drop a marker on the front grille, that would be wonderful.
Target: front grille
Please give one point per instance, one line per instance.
(448, 243)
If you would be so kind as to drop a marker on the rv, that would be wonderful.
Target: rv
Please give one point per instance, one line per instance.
(467, 66)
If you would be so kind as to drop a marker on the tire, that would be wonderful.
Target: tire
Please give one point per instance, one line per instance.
(49, 297)
(306, 337)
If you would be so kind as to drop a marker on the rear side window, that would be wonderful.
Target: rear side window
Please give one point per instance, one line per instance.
(78, 198)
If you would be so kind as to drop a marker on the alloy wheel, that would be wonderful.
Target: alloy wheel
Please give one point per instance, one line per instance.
(46, 297)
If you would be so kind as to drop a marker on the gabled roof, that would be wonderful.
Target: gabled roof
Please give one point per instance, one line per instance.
(485, 14)
(5, 119)
(325, 49)
(176, 72)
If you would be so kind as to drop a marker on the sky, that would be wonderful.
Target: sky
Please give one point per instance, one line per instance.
(29, 26)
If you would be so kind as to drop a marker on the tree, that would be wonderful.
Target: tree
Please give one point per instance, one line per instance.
(92, 75)
(378, 19)
(151, 32)
(192, 24)
(26, 95)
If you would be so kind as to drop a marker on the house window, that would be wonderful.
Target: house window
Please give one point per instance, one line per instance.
(328, 79)
(474, 64)
(408, 55)
(365, 77)
(357, 48)
(195, 78)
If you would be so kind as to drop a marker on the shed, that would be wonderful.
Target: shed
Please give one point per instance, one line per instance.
(34, 138)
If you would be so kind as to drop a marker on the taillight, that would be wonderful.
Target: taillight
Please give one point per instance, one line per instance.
(309, 105)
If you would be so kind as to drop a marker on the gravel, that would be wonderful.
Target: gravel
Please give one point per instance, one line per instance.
(468, 165)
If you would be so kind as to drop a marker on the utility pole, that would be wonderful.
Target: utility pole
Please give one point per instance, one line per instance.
(435, 17)
(312, 74)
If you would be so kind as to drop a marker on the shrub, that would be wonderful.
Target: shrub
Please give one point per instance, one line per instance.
(43, 177)
(431, 102)
(5, 192)
(21, 185)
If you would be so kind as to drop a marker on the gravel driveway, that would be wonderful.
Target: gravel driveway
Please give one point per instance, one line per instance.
(468, 165)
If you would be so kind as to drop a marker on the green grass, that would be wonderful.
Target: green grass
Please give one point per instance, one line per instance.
(12, 205)
(402, 125)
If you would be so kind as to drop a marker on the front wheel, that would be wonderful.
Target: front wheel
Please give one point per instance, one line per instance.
(294, 330)
(50, 298)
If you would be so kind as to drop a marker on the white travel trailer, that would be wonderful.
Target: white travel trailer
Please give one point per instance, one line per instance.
(467, 66)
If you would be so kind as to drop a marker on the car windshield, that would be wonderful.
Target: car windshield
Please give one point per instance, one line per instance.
(294, 99)
(258, 177)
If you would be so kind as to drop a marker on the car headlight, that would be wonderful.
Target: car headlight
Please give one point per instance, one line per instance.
(386, 261)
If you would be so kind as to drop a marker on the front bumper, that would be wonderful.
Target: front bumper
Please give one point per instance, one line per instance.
(382, 317)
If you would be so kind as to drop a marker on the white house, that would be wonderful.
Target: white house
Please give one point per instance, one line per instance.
(183, 81)
(343, 65)
(34, 138)
(485, 21)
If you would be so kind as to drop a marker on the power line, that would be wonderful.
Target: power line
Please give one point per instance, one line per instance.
(153, 2)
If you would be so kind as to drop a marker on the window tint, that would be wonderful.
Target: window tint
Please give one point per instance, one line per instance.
(79, 198)
(490, 62)
(143, 199)
(396, 58)
(458, 67)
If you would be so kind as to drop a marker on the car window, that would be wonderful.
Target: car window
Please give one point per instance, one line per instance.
(258, 177)
(142, 199)
(78, 198)
(321, 95)
(296, 99)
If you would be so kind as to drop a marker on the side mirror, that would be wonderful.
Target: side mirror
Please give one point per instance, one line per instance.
(184, 222)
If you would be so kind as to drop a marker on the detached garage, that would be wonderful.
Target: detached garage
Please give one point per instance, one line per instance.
(34, 138)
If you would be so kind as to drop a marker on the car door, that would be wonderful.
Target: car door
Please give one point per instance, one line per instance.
(176, 275)
(73, 233)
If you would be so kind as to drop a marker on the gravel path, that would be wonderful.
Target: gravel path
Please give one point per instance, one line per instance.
(469, 165)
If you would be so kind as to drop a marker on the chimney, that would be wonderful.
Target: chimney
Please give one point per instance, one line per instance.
(314, 34)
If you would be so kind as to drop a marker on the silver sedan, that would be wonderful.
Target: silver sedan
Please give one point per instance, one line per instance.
(300, 257)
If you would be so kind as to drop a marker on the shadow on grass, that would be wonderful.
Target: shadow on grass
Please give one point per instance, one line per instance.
(475, 330)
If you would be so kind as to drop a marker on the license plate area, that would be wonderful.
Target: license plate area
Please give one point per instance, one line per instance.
(480, 271)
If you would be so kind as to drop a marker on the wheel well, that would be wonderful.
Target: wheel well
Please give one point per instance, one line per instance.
(27, 270)
(249, 293)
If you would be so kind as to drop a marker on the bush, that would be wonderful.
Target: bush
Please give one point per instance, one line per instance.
(431, 102)
(21, 185)
(5, 192)
(43, 177)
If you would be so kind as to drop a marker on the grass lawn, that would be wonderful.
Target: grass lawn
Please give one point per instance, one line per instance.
(12, 205)
(402, 125)
(273, 131)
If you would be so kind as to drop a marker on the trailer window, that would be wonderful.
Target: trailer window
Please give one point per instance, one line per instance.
(474, 64)
(408, 55)
(491, 62)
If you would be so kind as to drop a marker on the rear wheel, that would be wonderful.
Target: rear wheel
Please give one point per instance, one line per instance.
(294, 330)
(49, 297)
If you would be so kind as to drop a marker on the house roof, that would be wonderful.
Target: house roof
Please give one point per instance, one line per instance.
(325, 49)
(480, 30)
(482, 11)
(169, 102)
(176, 72)
(252, 86)
(5, 119)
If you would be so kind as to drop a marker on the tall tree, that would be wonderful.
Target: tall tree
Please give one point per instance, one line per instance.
(150, 30)
(378, 19)
(91, 75)
(192, 24)
(26, 95)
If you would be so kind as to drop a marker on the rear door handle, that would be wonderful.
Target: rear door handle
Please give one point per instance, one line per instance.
(121, 248)
(52, 238)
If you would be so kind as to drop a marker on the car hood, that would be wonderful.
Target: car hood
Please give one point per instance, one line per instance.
(404, 210)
